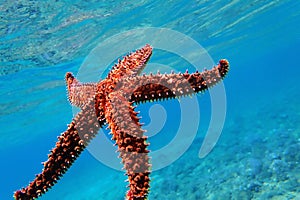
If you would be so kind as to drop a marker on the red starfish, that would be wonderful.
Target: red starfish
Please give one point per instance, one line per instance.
(111, 101)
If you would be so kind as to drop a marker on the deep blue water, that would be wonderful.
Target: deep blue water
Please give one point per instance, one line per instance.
(257, 155)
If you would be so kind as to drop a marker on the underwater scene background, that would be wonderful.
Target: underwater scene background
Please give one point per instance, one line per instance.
(258, 153)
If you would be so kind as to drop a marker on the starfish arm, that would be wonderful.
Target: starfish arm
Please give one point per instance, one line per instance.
(131, 142)
(130, 65)
(79, 93)
(67, 149)
(162, 86)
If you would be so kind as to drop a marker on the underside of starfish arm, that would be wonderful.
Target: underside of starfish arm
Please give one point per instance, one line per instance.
(79, 93)
(131, 64)
(161, 86)
(68, 147)
(131, 142)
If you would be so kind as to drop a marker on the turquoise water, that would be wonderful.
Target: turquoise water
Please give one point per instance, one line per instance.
(257, 155)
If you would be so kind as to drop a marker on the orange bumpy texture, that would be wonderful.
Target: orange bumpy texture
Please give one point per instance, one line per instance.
(111, 101)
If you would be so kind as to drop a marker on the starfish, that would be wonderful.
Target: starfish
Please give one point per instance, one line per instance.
(112, 101)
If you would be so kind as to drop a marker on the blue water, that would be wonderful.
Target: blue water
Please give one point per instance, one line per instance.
(257, 155)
